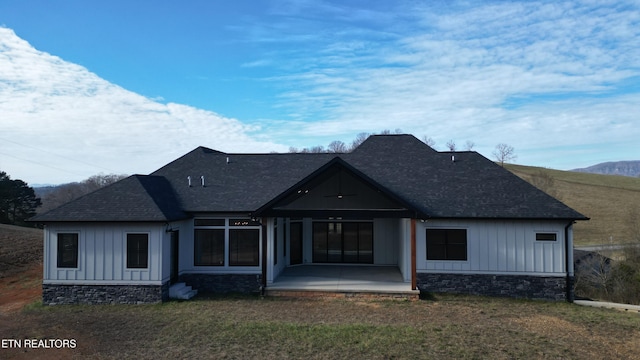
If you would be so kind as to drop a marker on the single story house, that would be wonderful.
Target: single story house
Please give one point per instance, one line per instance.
(444, 221)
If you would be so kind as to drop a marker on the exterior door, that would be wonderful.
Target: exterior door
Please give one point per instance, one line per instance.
(343, 242)
(175, 268)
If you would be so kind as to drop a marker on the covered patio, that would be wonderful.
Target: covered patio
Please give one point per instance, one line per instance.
(345, 279)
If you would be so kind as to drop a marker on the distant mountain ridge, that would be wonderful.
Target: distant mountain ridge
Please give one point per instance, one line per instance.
(624, 168)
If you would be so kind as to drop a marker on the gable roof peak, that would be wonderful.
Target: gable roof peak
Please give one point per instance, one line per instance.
(399, 143)
(207, 150)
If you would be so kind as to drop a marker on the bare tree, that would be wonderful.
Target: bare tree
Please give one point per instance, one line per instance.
(389, 132)
(469, 145)
(360, 138)
(613, 280)
(67, 192)
(504, 153)
(95, 182)
(594, 274)
(429, 141)
(451, 145)
(337, 147)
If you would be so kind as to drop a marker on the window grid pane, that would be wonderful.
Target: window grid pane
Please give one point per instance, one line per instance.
(244, 247)
(447, 244)
(68, 250)
(209, 247)
(137, 251)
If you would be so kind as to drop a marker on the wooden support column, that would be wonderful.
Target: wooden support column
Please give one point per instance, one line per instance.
(264, 252)
(414, 284)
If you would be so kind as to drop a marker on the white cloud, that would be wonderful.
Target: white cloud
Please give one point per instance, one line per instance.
(62, 123)
(550, 78)
(537, 75)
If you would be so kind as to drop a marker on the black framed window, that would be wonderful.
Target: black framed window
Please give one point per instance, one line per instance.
(208, 247)
(546, 236)
(137, 251)
(244, 247)
(208, 222)
(446, 244)
(67, 250)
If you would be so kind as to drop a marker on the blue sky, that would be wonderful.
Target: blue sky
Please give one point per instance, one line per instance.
(127, 86)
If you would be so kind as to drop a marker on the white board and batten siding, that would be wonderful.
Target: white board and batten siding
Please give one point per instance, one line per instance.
(498, 247)
(102, 254)
(385, 241)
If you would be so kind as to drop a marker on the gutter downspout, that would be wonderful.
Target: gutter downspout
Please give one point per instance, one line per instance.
(568, 251)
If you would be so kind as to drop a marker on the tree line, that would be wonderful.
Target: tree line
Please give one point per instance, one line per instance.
(503, 153)
(61, 194)
(612, 275)
(19, 201)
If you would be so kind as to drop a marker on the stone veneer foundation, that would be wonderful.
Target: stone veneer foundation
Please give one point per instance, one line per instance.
(223, 283)
(104, 294)
(517, 286)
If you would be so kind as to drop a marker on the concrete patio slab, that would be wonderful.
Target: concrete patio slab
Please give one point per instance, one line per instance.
(342, 278)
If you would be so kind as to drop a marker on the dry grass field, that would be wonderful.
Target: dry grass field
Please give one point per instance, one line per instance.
(441, 327)
(445, 327)
(611, 202)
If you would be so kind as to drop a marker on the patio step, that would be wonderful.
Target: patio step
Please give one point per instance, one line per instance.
(411, 295)
(181, 291)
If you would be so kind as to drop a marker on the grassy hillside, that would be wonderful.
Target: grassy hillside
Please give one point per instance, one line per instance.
(20, 249)
(612, 202)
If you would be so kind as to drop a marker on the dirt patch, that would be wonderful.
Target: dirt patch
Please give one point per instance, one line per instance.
(20, 267)
(21, 289)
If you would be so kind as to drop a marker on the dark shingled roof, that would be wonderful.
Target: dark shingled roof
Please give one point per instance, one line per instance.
(431, 184)
(453, 184)
(136, 198)
(242, 184)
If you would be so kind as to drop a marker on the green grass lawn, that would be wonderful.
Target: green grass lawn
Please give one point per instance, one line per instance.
(448, 326)
(612, 202)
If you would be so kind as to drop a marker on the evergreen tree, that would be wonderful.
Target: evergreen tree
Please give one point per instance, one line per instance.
(18, 201)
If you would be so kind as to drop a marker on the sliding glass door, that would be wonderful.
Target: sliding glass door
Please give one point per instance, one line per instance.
(343, 242)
